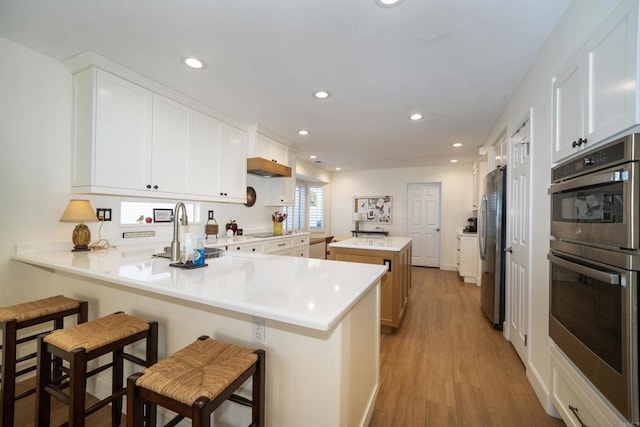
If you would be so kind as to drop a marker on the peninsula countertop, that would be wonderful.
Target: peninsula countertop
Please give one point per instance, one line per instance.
(312, 293)
(395, 244)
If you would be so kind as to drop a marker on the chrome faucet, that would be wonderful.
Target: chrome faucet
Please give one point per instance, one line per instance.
(175, 243)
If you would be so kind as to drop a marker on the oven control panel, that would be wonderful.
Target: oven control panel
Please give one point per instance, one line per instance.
(609, 155)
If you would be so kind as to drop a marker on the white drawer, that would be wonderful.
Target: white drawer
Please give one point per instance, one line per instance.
(278, 245)
(570, 391)
(300, 241)
(256, 248)
(302, 252)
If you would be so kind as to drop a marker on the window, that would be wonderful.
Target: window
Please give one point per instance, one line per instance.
(309, 203)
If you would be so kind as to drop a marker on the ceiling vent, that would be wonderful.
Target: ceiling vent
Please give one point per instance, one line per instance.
(267, 168)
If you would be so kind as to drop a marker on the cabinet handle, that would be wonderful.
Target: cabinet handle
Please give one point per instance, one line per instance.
(223, 194)
(575, 144)
(149, 186)
(575, 412)
(254, 249)
(582, 141)
(237, 248)
(282, 244)
(155, 187)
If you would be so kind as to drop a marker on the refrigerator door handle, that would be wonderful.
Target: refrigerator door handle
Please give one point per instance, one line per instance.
(482, 229)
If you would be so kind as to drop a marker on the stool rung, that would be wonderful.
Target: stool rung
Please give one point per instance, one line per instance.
(25, 371)
(104, 402)
(134, 359)
(32, 337)
(25, 393)
(54, 391)
(99, 369)
(26, 357)
(241, 400)
(174, 421)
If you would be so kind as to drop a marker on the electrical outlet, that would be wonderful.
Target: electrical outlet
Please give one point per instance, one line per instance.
(210, 214)
(103, 214)
(258, 330)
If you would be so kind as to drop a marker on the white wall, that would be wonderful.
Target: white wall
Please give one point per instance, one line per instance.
(456, 203)
(536, 92)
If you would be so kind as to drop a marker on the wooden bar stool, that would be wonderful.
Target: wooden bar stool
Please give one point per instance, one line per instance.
(79, 345)
(196, 380)
(16, 317)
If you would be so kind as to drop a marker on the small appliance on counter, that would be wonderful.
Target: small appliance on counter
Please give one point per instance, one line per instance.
(472, 225)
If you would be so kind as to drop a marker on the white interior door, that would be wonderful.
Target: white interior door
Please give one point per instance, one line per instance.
(423, 223)
(517, 259)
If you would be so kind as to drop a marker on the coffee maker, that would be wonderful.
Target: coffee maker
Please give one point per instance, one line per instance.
(472, 225)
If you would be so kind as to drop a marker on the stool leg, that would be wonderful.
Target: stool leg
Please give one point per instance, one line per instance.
(117, 374)
(77, 387)
(135, 404)
(200, 416)
(8, 383)
(257, 407)
(43, 377)
(151, 359)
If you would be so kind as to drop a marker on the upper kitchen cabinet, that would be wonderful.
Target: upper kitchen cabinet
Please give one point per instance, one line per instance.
(113, 133)
(264, 147)
(281, 191)
(595, 94)
(132, 142)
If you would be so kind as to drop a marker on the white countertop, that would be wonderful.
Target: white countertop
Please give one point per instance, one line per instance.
(313, 293)
(395, 244)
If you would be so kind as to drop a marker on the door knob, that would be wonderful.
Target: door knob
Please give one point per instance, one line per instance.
(438, 229)
(509, 249)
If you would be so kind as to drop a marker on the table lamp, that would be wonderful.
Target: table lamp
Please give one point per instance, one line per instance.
(79, 211)
(357, 217)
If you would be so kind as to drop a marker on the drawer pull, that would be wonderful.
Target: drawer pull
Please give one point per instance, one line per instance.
(282, 244)
(575, 412)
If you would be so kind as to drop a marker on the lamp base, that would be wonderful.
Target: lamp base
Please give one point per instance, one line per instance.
(81, 237)
(81, 248)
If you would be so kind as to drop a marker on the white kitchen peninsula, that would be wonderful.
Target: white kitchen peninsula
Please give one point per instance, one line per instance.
(321, 320)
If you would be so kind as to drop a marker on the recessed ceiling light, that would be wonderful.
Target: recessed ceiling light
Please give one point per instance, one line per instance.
(303, 132)
(457, 144)
(388, 3)
(194, 63)
(338, 169)
(415, 117)
(321, 94)
(313, 156)
(454, 160)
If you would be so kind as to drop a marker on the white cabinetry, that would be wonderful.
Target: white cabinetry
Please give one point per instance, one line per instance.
(281, 191)
(267, 148)
(575, 399)
(290, 245)
(467, 256)
(595, 93)
(113, 130)
(132, 142)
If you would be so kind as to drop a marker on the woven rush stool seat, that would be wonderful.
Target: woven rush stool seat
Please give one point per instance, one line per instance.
(196, 380)
(77, 346)
(12, 319)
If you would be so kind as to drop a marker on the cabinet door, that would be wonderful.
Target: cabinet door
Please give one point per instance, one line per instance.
(269, 149)
(123, 122)
(567, 110)
(611, 64)
(204, 156)
(233, 164)
(170, 153)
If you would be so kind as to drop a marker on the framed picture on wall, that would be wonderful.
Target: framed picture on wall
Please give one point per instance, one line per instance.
(373, 208)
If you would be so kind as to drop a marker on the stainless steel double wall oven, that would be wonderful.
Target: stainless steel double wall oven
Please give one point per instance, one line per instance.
(594, 263)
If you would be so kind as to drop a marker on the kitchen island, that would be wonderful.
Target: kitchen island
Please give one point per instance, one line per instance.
(321, 321)
(395, 254)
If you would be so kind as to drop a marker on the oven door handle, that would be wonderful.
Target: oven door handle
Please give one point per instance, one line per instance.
(619, 175)
(613, 279)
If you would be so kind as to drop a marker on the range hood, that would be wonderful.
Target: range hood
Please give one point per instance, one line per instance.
(267, 168)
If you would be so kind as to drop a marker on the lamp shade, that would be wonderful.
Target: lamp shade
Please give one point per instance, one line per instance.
(79, 211)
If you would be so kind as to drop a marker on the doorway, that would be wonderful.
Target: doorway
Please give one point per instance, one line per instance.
(423, 223)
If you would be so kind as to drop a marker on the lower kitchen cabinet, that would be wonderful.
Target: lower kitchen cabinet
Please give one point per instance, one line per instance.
(467, 256)
(396, 282)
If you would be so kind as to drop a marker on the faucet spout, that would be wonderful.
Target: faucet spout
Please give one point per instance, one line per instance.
(175, 243)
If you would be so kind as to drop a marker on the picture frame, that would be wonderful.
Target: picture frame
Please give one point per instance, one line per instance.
(373, 209)
(162, 215)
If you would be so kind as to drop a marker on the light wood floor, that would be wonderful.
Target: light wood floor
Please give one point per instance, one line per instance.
(446, 365)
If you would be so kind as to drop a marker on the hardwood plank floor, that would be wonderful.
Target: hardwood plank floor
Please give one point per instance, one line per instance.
(446, 365)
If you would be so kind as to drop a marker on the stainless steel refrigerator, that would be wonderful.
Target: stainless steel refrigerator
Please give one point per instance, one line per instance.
(492, 239)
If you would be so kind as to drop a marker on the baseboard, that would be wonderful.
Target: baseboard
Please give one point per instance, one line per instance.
(370, 407)
(542, 391)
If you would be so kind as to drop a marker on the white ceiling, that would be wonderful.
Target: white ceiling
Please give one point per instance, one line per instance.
(458, 62)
